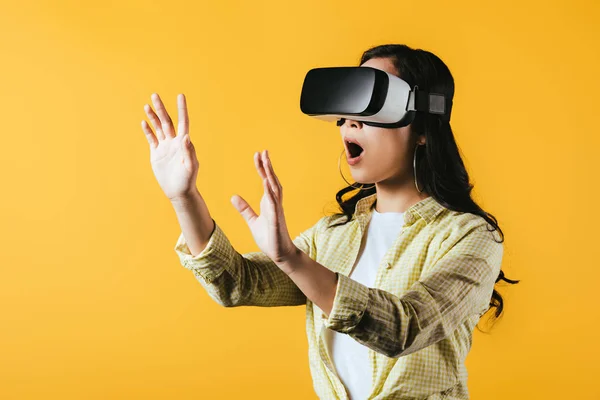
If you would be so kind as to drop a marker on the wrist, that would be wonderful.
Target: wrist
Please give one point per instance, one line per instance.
(190, 197)
(292, 261)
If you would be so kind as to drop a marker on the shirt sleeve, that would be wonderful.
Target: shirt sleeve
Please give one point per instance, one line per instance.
(251, 279)
(457, 286)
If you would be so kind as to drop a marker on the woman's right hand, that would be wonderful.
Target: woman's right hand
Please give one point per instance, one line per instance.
(172, 155)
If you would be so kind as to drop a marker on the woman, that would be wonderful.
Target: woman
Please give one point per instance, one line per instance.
(394, 284)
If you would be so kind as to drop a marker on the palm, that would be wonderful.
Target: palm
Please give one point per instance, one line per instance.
(263, 226)
(167, 161)
(173, 160)
(269, 228)
(175, 166)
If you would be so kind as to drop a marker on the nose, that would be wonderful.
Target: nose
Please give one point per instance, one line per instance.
(352, 123)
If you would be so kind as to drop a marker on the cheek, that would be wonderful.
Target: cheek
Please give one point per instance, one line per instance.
(389, 146)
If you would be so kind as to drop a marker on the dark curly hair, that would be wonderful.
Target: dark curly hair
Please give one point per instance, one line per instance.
(440, 169)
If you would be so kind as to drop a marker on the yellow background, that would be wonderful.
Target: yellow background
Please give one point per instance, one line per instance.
(93, 301)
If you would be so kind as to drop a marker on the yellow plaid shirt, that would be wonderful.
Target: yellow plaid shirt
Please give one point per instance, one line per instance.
(431, 288)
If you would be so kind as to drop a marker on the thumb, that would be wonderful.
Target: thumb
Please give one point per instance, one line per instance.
(243, 208)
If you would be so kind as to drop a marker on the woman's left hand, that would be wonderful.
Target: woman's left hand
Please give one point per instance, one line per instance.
(269, 228)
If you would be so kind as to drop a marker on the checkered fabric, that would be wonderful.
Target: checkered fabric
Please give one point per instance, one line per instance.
(432, 287)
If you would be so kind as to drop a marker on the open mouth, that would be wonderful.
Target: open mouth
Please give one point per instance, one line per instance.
(354, 149)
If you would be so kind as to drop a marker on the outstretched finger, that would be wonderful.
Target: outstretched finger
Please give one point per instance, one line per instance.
(154, 121)
(243, 208)
(273, 171)
(149, 134)
(165, 119)
(183, 124)
(270, 195)
(259, 165)
(273, 181)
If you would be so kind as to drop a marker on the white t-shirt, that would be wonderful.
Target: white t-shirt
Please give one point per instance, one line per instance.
(350, 358)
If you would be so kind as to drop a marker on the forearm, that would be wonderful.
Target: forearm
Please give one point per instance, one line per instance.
(456, 288)
(372, 317)
(195, 221)
(233, 279)
(316, 281)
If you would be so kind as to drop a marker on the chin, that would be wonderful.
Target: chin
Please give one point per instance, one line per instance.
(363, 178)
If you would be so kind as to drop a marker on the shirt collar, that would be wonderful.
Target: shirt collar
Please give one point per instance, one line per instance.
(427, 208)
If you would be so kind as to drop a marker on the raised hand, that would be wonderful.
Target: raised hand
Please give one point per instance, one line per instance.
(172, 155)
(269, 228)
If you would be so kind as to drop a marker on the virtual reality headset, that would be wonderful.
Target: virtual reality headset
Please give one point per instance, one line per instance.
(369, 95)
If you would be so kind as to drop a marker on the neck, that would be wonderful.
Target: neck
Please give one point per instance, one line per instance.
(397, 197)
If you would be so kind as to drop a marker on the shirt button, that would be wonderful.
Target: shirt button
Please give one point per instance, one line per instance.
(388, 265)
